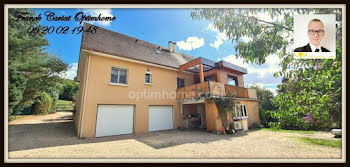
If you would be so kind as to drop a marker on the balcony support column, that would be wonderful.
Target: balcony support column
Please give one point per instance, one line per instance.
(201, 75)
(218, 76)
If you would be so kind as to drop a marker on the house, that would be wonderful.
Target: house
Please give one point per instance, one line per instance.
(127, 85)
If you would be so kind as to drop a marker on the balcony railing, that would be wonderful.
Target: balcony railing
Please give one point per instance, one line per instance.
(216, 89)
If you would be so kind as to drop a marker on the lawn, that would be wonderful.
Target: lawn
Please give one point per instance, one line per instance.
(291, 131)
(64, 105)
(315, 141)
(324, 142)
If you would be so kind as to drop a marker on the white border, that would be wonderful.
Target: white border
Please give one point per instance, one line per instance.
(342, 6)
(175, 6)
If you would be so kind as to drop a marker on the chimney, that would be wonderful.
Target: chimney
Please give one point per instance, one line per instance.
(174, 47)
(171, 47)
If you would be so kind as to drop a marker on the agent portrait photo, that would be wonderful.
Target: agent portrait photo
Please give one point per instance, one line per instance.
(312, 34)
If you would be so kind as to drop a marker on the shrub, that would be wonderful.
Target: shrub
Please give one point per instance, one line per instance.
(262, 117)
(69, 90)
(43, 104)
(275, 126)
(257, 125)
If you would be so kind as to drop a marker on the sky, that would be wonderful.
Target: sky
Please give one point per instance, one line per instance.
(198, 38)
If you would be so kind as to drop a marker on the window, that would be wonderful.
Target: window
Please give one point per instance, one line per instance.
(148, 78)
(240, 111)
(232, 80)
(180, 83)
(236, 113)
(244, 111)
(119, 75)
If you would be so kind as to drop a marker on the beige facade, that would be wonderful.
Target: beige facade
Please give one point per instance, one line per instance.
(96, 89)
(106, 49)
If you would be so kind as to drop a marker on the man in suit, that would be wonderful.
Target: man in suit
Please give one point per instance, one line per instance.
(316, 33)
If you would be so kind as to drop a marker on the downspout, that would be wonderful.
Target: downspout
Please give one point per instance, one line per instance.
(85, 92)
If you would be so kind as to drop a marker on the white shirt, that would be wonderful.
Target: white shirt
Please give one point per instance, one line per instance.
(313, 48)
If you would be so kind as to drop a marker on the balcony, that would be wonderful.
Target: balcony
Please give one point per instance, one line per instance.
(216, 89)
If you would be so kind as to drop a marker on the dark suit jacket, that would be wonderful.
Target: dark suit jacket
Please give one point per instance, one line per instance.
(307, 48)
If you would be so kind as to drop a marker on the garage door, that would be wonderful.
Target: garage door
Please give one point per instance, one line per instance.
(160, 118)
(114, 120)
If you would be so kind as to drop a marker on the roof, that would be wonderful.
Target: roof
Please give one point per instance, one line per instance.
(234, 67)
(113, 43)
(209, 65)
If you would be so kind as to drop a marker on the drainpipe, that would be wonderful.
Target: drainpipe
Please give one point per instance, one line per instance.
(85, 92)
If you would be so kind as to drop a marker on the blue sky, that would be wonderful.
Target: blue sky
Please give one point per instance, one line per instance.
(193, 37)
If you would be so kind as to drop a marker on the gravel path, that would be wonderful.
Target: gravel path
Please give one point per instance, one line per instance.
(57, 139)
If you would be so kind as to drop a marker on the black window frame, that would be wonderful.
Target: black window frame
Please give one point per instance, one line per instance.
(150, 78)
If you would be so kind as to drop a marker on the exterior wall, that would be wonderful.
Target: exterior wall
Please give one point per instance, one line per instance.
(252, 94)
(214, 124)
(81, 78)
(100, 91)
(211, 111)
(224, 78)
(252, 111)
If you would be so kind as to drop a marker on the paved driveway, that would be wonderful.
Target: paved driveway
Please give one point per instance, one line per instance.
(54, 136)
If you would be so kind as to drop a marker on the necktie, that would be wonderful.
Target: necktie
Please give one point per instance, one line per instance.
(317, 50)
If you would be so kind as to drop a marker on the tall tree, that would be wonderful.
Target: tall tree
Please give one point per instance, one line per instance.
(69, 90)
(265, 98)
(266, 104)
(311, 94)
(31, 69)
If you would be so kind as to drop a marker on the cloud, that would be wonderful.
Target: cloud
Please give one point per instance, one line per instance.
(220, 36)
(269, 86)
(270, 66)
(71, 72)
(261, 75)
(216, 44)
(191, 43)
(235, 60)
(97, 12)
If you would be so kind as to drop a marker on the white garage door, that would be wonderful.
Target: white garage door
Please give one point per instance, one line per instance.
(114, 120)
(160, 118)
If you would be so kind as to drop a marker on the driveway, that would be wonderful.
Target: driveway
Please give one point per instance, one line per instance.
(54, 136)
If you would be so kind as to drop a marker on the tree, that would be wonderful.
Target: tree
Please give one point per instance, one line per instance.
(32, 70)
(265, 98)
(280, 87)
(69, 90)
(310, 96)
(266, 105)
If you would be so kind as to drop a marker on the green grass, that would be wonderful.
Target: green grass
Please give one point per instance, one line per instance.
(324, 142)
(64, 105)
(291, 131)
(64, 102)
